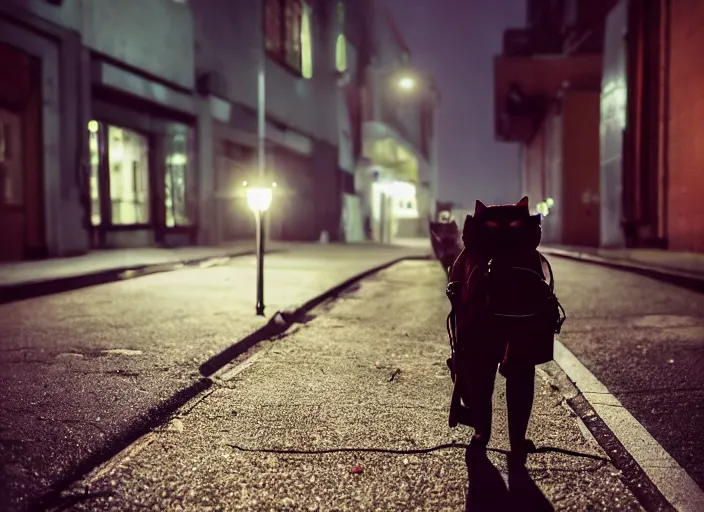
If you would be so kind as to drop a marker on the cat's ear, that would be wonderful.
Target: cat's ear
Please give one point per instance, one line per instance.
(523, 203)
(479, 207)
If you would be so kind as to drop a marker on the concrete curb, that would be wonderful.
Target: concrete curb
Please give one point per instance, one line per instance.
(677, 277)
(33, 289)
(281, 321)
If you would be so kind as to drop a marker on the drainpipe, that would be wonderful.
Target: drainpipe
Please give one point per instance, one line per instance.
(664, 124)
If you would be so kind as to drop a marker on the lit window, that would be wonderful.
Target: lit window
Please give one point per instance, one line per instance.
(176, 180)
(128, 153)
(306, 44)
(94, 148)
(341, 53)
(341, 43)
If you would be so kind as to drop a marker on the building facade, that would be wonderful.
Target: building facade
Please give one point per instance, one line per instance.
(396, 178)
(136, 123)
(607, 114)
(547, 99)
(98, 126)
(294, 44)
(652, 109)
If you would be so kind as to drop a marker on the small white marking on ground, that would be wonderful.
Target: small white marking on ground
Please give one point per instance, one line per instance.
(123, 352)
(213, 262)
(230, 372)
(70, 355)
(669, 477)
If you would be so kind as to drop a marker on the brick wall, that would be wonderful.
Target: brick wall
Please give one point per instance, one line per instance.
(686, 129)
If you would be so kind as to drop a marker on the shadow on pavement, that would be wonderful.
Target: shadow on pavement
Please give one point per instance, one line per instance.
(276, 326)
(487, 491)
(159, 414)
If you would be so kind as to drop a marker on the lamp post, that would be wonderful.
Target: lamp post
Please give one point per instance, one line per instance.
(259, 196)
(259, 200)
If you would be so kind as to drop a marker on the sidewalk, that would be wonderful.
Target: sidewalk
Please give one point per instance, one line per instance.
(682, 268)
(26, 272)
(28, 279)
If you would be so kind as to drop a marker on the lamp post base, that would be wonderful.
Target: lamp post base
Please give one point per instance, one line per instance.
(260, 263)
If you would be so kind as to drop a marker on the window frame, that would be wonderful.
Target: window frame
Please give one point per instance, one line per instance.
(149, 196)
(189, 177)
(279, 54)
(156, 175)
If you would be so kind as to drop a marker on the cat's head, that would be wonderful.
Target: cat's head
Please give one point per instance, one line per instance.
(501, 228)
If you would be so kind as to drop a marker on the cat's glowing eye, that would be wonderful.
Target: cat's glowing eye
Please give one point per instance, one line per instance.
(516, 224)
(491, 224)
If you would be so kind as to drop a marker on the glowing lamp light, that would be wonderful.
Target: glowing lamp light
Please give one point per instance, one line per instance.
(407, 83)
(259, 198)
(550, 202)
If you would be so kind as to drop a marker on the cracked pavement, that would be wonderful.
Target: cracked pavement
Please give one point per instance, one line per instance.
(368, 371)
(82, 372)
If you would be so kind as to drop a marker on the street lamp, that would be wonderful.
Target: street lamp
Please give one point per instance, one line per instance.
(259, 200)
(407, 83)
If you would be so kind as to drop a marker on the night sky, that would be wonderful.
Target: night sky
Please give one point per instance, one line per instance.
(456, 40)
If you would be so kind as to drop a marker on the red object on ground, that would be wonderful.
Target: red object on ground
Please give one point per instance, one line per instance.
(356, 470)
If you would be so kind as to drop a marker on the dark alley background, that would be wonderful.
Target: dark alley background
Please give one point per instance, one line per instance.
(456, 41)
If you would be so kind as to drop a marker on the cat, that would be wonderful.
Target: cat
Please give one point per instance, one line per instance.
(500, 230)
(511, 234)
(446, 242)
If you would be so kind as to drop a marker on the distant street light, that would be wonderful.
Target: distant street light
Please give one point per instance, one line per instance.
(259, 200)
(407, 83)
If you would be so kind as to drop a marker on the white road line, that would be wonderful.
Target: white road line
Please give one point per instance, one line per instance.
(668, 476)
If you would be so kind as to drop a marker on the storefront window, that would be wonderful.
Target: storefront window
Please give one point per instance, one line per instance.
(94, 148)
(176, 179)
(128, 153)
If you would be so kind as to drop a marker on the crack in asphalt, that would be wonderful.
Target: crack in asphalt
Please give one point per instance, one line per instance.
(83, 422)
(29, 361)
(41, 417)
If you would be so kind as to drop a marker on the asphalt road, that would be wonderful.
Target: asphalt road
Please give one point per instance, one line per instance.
(81, 373)
(366, 371)
(644, 340)
(85, 373)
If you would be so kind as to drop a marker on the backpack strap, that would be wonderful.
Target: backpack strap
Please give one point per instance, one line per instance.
(543, 259)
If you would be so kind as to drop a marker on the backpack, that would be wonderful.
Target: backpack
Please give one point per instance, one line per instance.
(513, 311)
